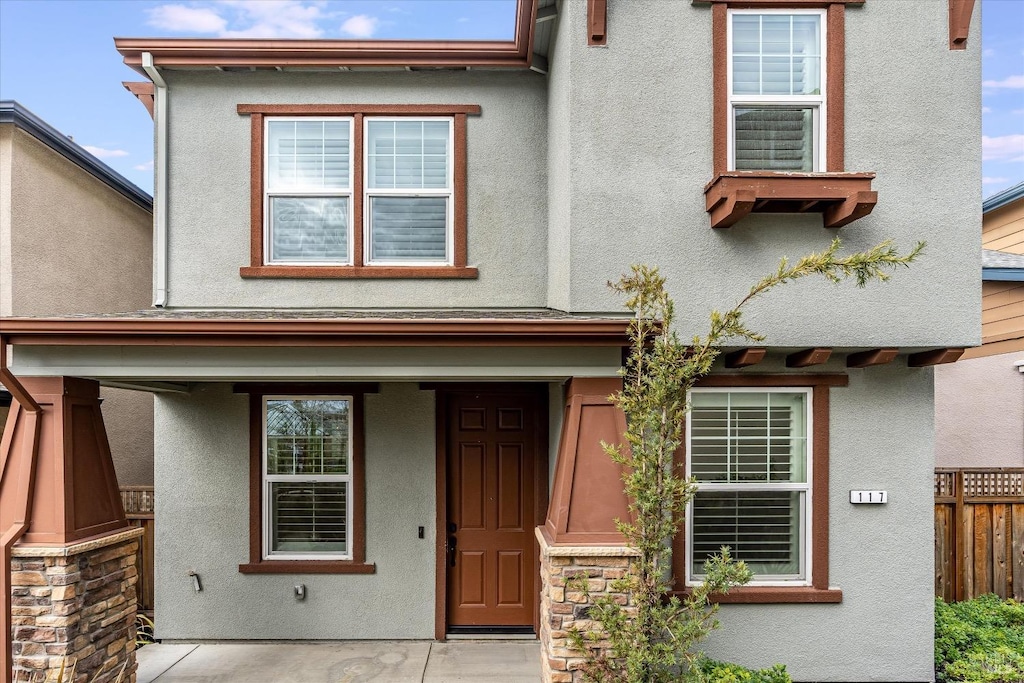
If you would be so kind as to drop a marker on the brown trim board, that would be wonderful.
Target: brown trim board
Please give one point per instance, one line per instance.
(960, 12)
(323, 332)
(269, 54)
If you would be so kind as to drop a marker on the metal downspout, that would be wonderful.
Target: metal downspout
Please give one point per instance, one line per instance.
(26, 485)
(159, 182)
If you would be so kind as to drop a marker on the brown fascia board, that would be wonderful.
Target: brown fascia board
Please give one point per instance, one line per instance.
(362, 332)
(272, 53)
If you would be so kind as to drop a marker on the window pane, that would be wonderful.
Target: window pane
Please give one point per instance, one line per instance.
(309, 517)
(408, 228)
(407, 154)
(309, 229)
(307, 436)
(761, 528)
(776, 54)
(774, 138)
(308, 155)
(748, 437)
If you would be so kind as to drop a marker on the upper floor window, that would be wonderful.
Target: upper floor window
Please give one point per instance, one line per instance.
(777, 75)
(358, 191)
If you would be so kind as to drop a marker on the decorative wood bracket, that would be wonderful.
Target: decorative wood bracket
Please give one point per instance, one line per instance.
(863, 359)
(597, 22)
(808, 357)
(934, 357)
(841, 198)
(144, 91)
(960, 12)
(744, 357)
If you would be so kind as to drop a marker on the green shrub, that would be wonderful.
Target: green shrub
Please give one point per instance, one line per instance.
(724, 672)
(979, 641)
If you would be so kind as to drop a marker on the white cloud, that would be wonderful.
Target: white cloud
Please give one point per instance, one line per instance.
(994, 181)
(101, 153)
(986, 110)
(462, 20)
(148, 166)
(1014, 82)
(244, 18)
(360, 26)
(186, 19)
(1017, 112)
(1002, 148)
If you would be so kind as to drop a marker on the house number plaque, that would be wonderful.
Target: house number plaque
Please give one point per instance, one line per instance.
(868, 497)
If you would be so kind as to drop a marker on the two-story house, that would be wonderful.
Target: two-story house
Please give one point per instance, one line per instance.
(385, 343)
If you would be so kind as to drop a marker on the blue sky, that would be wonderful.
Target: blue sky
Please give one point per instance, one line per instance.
(57, 58)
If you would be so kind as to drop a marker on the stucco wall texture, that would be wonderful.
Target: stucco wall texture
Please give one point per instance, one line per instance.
(640, 151)
(979, 413)
(71, 244)
(209, 188)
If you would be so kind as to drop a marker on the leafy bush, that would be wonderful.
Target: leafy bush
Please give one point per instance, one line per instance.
(979, 641)
(724, 672)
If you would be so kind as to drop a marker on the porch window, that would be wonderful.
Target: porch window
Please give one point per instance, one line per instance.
(307, 477)
(307, 489)
(750, 451)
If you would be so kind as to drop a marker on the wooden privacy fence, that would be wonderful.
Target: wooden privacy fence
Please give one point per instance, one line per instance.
(138, 508)
(979, 533)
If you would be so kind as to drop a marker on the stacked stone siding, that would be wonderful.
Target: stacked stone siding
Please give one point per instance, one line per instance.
(75, 604)
(562, 607)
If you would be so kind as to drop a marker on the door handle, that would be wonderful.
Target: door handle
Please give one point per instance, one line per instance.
(453, 544)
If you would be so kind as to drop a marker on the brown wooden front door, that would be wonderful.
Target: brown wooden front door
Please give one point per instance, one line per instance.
(493, 450)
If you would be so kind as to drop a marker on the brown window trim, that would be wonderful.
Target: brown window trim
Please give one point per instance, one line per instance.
(256, 563)
(257, 267)
(819, 591)
(841, 197)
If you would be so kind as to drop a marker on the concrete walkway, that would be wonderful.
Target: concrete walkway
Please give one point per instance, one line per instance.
(341, 662)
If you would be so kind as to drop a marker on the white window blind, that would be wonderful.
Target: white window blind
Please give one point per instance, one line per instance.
(776, 85)
(308, 190)
(408, 190)
(307, 477)
(749, 453)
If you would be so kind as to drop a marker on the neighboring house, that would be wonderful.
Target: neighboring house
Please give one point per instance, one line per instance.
(384, 343)
(75, 238)
(979, 402)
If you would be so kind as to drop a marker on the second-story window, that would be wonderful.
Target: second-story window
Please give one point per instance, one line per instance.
(358, 191)
(776, 90)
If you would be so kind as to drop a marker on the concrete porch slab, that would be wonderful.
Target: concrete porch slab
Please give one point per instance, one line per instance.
(340, 662)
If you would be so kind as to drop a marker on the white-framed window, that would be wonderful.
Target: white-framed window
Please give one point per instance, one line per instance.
(750, 450)
(407, 206)
(307, 478)
(776, 87)
(311, 204)
(308, 191)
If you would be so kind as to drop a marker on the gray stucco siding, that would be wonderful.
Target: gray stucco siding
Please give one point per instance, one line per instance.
(202, 474)
(209, 190)
(880, 556)
(640, 145)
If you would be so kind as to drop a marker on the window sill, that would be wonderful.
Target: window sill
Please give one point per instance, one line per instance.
(841, 198)
(776, 595)
(307, 567)
(360, 272)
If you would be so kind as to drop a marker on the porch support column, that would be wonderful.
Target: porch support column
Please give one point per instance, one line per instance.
(72, 573)
(579, 538)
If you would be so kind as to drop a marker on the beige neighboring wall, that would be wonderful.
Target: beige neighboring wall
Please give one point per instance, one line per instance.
(1003, 228)
(70, 243)
(979, 412)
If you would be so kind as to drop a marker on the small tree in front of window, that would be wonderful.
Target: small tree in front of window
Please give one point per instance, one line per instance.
(650, 639)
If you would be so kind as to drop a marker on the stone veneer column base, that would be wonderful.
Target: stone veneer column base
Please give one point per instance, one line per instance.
(562, 608)
(75, 603)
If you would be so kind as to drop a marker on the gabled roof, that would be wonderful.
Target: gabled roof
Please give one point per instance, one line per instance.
(279, 54)
(1001, 266)
(13, 113)
(1001, 199)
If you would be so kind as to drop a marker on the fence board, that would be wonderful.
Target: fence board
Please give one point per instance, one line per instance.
(139, 508)
(979, 533)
